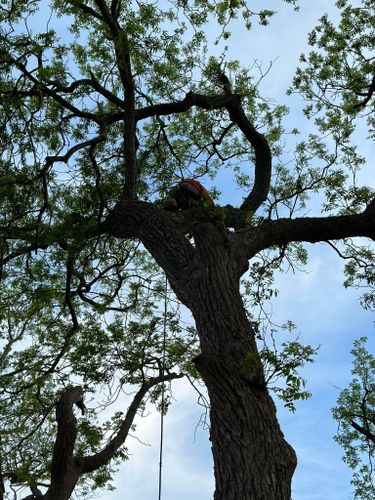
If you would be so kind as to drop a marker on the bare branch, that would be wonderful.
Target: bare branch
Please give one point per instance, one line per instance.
(64, 475)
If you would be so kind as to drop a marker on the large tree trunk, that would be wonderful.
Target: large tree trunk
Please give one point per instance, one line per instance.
(252, 460)
(251, 457)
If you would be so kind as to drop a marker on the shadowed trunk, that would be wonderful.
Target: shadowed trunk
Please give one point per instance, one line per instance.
(64, 472)
(251, 457)
(252, 460)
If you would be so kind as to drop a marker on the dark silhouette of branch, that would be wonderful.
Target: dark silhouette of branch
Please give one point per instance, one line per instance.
(363, 431)
(89, 10)
(308, 229)
(64, 475)
(122, 51)
(77, 147)
(231, 102)
(2, 488)
(44, 89)
(65, 469)
(93, 462)
(370, 93)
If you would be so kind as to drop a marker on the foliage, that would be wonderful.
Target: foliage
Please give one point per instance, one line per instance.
(42, 353)
(355, 413)
(285, 364)
(78, 306)
(337, 79)
(360, 272)
(282, 361)
(338, 75)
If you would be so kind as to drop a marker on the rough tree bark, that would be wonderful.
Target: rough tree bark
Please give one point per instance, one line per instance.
(252, 460)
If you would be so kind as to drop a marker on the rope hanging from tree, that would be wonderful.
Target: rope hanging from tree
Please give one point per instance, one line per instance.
(162, 389)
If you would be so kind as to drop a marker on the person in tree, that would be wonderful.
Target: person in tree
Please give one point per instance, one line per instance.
(187, 194)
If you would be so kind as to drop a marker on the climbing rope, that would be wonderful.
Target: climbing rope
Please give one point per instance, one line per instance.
(162, 389)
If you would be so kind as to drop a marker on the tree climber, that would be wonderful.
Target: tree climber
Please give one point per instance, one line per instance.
(187, 194)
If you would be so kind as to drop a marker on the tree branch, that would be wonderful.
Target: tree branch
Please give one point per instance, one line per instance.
(313, 230)
(122, 51)
(370, 93)
(89, 143)
(93, 462)
(44, 89)
(363, 431)
(90, 82)
(88, 10)
(232, 103)
(63, 473)
(2, 487)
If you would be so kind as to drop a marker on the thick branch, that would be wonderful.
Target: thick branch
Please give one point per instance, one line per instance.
(313, 230)
(123, 60)
(93, 462)
(163, 236)
(88, 10)
(363, 431)
(370, 93)
(88, 82)
(62, 476)
(263, 163)
(191, 99)
(2, 488)
(233, 104)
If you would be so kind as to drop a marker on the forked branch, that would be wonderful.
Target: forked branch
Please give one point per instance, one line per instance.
(65, 468)
(232, 103)
(89, 464)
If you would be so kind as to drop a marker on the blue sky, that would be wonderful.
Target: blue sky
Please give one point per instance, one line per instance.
(325, 313)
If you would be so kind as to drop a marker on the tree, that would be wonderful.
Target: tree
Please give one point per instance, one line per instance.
(355, 413)
(93, 131)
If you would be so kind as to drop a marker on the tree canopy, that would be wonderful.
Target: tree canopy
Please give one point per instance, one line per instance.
(105, 105)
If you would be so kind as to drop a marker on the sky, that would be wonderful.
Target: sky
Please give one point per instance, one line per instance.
(326, 315)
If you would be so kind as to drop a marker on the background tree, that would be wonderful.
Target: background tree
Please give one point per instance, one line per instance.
(355, 413)
(94, 129)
